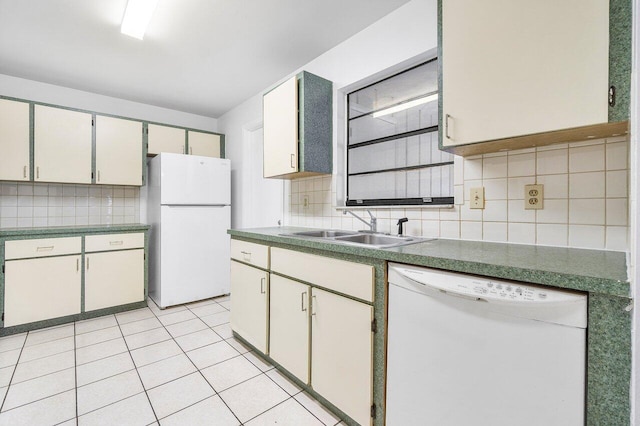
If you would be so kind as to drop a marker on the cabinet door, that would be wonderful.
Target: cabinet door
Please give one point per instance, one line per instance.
(62, 141)
(14, 140)
(280, 114)
(204, 144)
(341, 353)
(113, 278)
(513, 68)
(40, 289)
(118, 151)
(289, 325)
(249, 304)
(165, 139)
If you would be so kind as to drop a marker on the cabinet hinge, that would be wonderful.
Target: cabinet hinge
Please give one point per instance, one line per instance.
(3, 268)
(612, 96)
(92, 122)
(374, 326)
(373, 411)
(147, 130)
(3, 317)
(91, 175)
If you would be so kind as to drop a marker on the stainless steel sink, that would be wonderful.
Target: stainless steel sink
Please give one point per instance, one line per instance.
(323, 234)
(376, 240)
(356, 238)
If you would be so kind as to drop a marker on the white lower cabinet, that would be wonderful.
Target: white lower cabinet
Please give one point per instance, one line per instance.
(113, 278)
(42, 288)
(289, 325)
(342, 353)
(249, 298)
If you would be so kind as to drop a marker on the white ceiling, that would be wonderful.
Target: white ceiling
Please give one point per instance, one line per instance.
(198, 56)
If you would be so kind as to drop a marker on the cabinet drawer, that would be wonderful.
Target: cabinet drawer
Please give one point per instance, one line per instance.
(251, 253)
(108, 242)
(22, 249)
(353, 279)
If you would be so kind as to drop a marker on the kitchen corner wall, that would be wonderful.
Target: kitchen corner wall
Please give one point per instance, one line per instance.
(586, 199)
(27, 205)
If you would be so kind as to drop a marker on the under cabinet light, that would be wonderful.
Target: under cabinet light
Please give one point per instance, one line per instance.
(406, 105)
(137, 16)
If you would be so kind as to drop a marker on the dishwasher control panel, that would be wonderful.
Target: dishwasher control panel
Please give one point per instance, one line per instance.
(487, 289)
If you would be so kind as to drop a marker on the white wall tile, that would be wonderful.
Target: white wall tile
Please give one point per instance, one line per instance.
(523, 233)
(517, 212)
(586, 158)
(431, 228)
(521, 165)
(554, 211)
(467, 213)
(617, 212)
(552, 234)
(555, 186)
(495, 211)
(586, 236)
(587, 185)
(495, 189)
(515, 186)
(450, 229)
(617, 156)
(587, 212)
(617, 238)
(471, 230)
(494, 231)
(473, 169)
(617, 184)
(552, 162)
(494, 167)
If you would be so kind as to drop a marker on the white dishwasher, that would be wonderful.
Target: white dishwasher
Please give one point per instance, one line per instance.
(472, 351)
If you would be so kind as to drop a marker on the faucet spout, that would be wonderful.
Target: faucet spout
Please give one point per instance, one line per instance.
(373, 224)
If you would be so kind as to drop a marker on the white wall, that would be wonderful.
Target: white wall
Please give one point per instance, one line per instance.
(64, 96)
(403, 34)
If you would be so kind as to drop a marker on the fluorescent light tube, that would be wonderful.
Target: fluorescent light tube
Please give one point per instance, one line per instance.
(137, 16)
(406, 105)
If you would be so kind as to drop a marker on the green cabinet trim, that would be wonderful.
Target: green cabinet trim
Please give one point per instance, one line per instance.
(620, 56)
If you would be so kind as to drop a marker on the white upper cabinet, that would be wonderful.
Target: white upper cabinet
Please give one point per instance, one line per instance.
(204, 144)
(514, 68)
(118, 151)
(280, 109)
(62, 145)
(165, 139)
(14, 140)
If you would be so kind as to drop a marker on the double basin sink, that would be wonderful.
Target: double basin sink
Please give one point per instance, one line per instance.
(357, 238)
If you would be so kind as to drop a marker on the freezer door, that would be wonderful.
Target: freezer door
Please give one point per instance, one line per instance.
(195, 253)
(194, 180)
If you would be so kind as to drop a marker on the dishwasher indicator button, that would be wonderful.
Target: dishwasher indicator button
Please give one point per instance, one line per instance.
(542, 295)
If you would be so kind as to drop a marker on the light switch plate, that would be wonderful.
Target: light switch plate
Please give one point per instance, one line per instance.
(305, 201)
(476, 198)
(533, 197)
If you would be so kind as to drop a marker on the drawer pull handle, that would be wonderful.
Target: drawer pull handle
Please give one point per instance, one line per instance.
(262, 281)
(77, 265)
(302, 297)
(246, 255)
(98, 175)
(183, 149)
(190, 150)
(293, 157)
(115, 243)
(47, 248)
(38, 172)
(313, 305)
(87, 263)
(24, 172)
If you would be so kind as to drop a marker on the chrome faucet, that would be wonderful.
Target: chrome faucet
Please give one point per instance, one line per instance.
(373, 225)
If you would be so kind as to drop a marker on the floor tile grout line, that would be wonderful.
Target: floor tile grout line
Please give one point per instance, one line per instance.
(107, 377)
(200, 372)
(75, 369)
(38, 400)
(43, 375)
(112, 403)
(138, 373)
(15, 367)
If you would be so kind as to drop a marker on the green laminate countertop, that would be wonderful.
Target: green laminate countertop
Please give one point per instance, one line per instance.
(594, 271)
(67, 230)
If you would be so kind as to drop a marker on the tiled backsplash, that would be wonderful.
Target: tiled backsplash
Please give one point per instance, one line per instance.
(27, 205)
(585, 199)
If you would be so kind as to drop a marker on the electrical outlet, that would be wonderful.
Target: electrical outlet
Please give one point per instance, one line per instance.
(476, 198)
(533, 197)
(305, 201)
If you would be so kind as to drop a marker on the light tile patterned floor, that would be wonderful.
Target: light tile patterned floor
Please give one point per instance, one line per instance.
(178, 366)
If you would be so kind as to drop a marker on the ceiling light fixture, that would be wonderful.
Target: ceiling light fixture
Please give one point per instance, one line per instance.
(406, 105)
(137, 16)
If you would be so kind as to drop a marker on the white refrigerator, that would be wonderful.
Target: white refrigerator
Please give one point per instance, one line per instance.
(189, 210)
